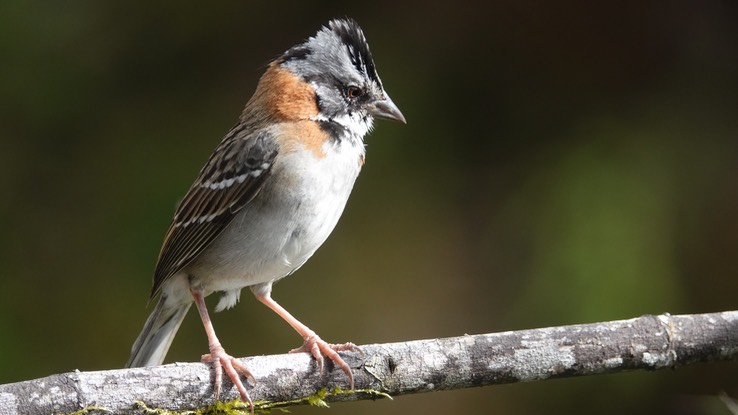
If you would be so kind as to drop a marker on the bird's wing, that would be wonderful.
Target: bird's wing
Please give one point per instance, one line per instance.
(233, 175)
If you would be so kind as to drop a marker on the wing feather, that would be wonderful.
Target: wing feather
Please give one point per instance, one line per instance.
(233, 175)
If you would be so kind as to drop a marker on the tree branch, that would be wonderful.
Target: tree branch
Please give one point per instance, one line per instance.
(648, 342)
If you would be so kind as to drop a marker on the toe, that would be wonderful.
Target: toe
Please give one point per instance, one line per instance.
(319, 348)
(233, 368)
(241, 368)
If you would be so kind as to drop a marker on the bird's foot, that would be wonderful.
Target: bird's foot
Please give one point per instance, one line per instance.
(222, 361)
(318, 347)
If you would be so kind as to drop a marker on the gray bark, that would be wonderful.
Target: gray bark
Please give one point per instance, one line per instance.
(648, 342)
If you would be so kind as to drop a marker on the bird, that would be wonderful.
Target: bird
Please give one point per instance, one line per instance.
(269, 196)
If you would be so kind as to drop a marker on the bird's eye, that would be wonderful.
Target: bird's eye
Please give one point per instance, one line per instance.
(354, 92)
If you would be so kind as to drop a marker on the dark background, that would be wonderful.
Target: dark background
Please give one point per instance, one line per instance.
(563, 162)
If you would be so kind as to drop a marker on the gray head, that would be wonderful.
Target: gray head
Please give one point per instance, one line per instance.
(338, 64)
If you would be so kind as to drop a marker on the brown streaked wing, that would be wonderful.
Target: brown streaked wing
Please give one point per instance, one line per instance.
(231, 178)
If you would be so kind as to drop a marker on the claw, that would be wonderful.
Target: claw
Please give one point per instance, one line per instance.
(317, 347)
(222, 361)
(219, 358)
(313, 344)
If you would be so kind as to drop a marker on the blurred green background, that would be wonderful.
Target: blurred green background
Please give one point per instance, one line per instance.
(563, 162)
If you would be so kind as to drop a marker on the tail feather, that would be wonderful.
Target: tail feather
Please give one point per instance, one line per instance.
(152, 344)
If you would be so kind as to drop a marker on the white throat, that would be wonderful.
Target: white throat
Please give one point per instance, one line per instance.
(357, 124)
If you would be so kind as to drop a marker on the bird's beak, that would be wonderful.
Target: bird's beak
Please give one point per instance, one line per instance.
(385, 108)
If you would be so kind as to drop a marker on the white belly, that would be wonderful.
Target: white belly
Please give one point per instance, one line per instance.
(284, 225)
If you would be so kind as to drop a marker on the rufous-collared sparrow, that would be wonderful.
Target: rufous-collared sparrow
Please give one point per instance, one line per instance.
(270, 194)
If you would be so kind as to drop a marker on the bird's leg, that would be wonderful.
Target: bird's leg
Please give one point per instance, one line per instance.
(219, 358)
(313, 344)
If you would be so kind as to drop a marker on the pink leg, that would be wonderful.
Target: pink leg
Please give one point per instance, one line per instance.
(219, 358)
(313, 344)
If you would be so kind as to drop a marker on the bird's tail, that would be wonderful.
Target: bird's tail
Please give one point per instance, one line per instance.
(152, 344)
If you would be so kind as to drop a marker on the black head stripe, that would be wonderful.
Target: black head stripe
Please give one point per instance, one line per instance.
(299, 52)
(352, 36)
